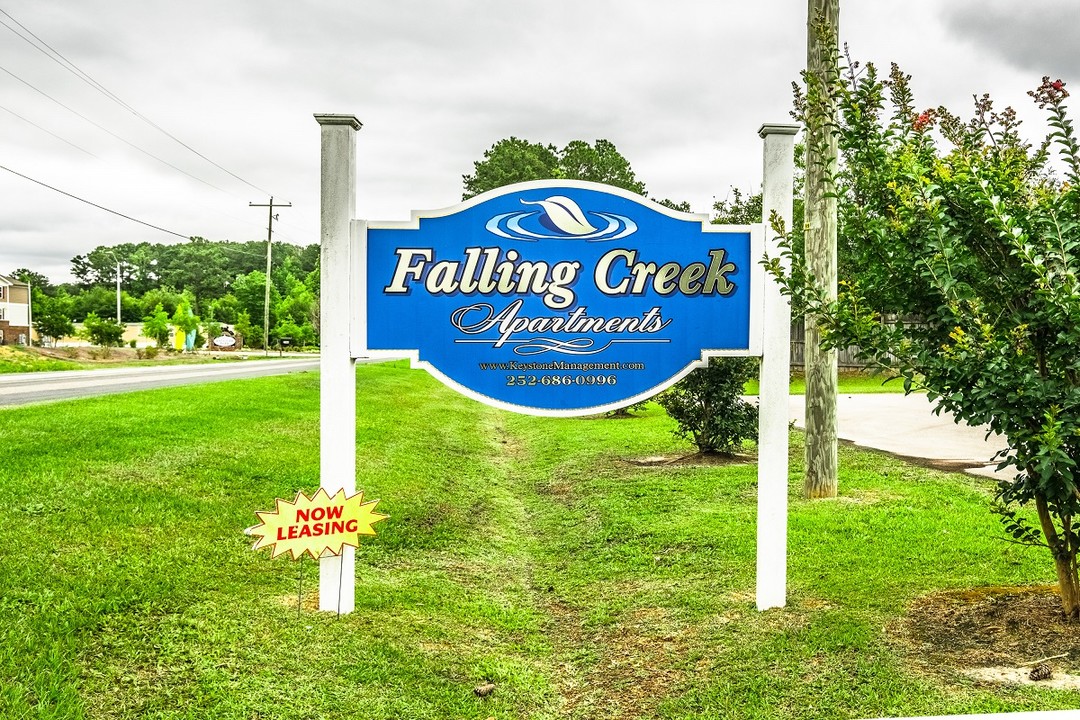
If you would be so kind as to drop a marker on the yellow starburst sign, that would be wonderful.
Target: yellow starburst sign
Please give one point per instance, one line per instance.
(315, 525)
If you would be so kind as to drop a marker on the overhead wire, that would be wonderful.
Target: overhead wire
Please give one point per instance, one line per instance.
(71, 67)
(57, 57)
(74, 145)
(50, 132)
(81, 149)
(110, 132)
(77, 147)
(94, 204)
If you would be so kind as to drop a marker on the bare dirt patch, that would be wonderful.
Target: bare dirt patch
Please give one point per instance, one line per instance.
(639, 662)
(993, 635)
(89, 354)
(941, 464)
(127, 355)
(695, 460)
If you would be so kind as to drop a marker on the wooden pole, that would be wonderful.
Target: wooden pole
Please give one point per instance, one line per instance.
(823, 24)
(266, 284)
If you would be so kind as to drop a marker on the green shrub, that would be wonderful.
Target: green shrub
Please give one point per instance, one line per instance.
(708, 406)
(103, 333)
(156, 326)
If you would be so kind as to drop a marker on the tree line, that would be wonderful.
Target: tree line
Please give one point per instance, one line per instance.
(220, 282)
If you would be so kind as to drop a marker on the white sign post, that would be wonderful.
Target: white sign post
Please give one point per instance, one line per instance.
(337, 380)
(774, 378)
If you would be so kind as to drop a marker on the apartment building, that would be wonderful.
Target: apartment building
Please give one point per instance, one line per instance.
(14, 311)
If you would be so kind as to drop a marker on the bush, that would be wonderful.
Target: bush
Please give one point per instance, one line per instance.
(103, 333)
(156, 326)
(708, 407)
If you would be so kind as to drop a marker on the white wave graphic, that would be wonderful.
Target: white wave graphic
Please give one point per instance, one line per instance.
(565, 220)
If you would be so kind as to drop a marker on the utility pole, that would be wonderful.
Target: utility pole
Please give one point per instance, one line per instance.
(266, 294)
(822, 33)
(117, 260)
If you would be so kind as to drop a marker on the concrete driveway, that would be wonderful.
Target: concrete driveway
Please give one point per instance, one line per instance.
(905, 425)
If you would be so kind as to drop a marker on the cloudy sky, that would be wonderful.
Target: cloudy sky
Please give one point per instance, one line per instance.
(680, 87)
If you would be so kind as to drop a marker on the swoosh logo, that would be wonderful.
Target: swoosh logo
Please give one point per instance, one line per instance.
(562, 215)
(560, 218)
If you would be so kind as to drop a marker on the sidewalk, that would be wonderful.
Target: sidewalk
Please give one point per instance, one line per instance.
(905, 425)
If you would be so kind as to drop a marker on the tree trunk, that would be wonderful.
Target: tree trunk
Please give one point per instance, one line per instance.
(823, 22)
(1064, 561)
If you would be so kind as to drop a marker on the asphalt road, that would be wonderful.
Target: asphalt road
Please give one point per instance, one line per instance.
(38, 387)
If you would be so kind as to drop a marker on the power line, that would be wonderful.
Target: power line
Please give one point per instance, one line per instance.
(55, 56)
(71, 67)
(82, 149)
(110, 132)
(44, 130)
(93, 204)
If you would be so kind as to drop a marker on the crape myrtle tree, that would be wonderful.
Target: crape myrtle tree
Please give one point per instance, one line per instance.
(963, 252)
(185, 320)
(52, 316)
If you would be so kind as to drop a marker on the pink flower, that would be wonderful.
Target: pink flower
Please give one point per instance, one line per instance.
(1049, 93)
(923, 121)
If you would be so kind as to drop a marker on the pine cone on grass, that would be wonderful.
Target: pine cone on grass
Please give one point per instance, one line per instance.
(1042, 671)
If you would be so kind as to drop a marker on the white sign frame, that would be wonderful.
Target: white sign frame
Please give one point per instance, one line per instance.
(358, 341)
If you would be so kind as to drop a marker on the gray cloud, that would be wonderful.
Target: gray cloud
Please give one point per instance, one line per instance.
(679, 87)
(1040, 36)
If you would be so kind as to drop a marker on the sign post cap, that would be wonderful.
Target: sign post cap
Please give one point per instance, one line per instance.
(778, 129)
(332, 119)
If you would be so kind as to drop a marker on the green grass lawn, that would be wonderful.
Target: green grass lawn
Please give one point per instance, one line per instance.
(529, 552)
(16, 359)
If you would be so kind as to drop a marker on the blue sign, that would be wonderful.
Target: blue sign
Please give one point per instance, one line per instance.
(560, 297)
